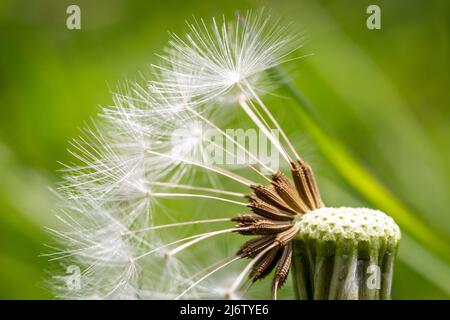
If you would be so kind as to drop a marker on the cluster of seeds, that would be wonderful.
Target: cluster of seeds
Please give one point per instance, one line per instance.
(275, 208)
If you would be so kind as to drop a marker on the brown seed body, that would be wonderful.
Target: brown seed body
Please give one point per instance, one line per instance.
(274, 210)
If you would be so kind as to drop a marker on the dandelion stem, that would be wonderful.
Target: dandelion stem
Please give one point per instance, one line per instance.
(203, 237)
(220, 171)
(189, 187)
(206, 276)
(193, 195)
(261, 126)
(272, 118)
(179, 224)
(235, 157)
(227, 136)
(247, 269)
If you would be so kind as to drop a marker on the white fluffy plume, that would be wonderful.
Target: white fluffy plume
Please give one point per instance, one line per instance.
(121, 224)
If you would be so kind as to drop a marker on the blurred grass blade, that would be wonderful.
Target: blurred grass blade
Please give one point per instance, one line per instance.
(341, 158)
(424, 263)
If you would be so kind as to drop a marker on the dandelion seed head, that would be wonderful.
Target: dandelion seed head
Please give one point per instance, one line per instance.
(150, 145)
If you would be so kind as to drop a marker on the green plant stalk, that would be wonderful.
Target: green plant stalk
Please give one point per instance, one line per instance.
(358, 177)
(301, 272)
(342, 285)
(344, 254)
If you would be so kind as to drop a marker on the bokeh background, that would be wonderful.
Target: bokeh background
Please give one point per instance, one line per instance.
(383, 94)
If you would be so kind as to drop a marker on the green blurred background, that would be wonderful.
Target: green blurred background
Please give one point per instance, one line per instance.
(383, 93)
